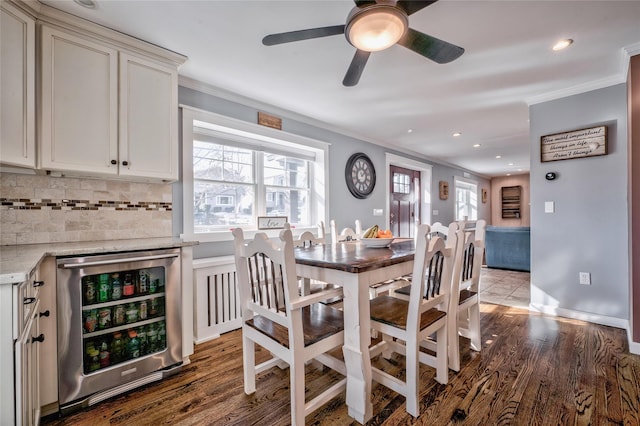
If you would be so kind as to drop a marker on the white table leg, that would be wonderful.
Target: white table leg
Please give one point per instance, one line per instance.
(356, 350)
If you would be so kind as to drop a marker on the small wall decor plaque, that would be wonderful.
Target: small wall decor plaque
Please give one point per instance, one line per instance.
(271, 222)
(272, 121)
(484, 195)
(575, 144)
(444, 190)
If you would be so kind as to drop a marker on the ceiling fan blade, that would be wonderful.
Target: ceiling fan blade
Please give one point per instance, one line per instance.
(310, 33)
(361, 3)
(430, 47)
(354, 72)
(411, 7)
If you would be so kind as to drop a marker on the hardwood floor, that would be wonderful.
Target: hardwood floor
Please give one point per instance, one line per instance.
(533, 370)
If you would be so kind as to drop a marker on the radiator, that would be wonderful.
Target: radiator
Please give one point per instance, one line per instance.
(216, 298)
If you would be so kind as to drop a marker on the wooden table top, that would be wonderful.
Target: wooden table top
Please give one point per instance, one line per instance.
(354, 256)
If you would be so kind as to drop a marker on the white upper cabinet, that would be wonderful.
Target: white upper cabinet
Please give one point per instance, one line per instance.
(148, 143)
(17, 73)
(107, 108)
(79, 104)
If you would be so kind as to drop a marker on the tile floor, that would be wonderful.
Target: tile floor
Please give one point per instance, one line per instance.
(502, 287)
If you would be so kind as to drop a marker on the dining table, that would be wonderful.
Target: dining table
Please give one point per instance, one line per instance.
(354, 266)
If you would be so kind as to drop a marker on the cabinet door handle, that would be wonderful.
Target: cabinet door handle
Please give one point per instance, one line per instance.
(125, 163)
(114, 162)
(38, 283)
(28, 300)
(39, 339)
(45, 313)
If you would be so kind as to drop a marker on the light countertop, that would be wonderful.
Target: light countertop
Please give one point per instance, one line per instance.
(17, 262)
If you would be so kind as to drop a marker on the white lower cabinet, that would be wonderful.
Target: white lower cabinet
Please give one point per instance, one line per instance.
(27, 355)
(20, 348)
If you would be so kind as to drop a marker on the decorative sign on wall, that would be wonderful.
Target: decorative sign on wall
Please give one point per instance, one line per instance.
(444, 190)
(271, 222)
(272, 121)
(484, 195)
(575, 144)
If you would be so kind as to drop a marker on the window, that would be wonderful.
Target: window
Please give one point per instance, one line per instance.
(466, 199)
(233, 176)
(401, 183)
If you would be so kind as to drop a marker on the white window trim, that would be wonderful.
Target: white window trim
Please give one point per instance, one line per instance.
(457, 179)
(235, 129)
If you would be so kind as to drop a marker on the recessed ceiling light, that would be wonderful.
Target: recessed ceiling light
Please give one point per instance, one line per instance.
(86, 3)
(476, 145)
(508, 174)
(456, 134)
(562, 44)
(519, 170)
(510, 164)
(410, 131)
(498, 156)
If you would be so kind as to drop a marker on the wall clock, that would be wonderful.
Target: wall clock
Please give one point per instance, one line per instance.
(360, 175)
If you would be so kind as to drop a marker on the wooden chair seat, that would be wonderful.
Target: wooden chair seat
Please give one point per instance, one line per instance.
(318, 322)
(466, 295)
(393, 311)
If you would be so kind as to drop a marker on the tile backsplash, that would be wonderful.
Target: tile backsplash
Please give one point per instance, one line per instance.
(44, 209)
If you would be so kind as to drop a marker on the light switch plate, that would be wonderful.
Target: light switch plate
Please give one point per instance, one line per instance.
(435, 213)
(585, 278)
(549, 206)
(377, 212)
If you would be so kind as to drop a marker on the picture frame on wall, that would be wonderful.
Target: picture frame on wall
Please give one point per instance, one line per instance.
(444, 190)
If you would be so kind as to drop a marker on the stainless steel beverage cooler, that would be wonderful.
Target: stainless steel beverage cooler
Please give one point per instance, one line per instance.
(119, 323)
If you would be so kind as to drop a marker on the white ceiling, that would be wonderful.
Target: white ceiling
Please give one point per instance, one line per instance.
(484, 94)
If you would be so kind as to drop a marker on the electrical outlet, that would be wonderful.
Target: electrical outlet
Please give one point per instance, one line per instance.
(585, 278)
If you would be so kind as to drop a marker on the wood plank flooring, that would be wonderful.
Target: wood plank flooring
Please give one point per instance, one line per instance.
(533, 370)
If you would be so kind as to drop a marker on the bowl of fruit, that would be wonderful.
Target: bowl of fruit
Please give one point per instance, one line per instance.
(375, 237)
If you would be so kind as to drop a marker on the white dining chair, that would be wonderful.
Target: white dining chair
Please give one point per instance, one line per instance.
(465, 294)
(346, 234)
(406, 325)
(294, 328)
(308, 286)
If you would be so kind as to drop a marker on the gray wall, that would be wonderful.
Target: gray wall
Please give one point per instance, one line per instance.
(589, 230)
(343, 207)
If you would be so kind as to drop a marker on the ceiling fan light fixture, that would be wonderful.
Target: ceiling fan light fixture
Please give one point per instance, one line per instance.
(376, 27)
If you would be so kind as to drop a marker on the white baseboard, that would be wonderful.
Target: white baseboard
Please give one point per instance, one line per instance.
(584, 316)
(634, 347)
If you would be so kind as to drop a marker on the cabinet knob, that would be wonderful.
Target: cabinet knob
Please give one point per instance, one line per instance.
(125, 163)
(114, 162)
(38, 283)
(28, 300)
(45, 313)
(39, 339)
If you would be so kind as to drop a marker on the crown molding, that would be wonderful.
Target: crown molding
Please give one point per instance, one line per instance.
(625, 55)
(578, 89)
(82, 27)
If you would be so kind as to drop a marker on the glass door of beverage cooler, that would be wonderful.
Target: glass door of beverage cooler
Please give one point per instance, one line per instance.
(118, 320)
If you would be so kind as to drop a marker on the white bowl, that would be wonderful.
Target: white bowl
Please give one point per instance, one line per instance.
(376, 242)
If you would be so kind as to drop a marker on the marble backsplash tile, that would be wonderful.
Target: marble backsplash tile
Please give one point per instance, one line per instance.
(43, 209)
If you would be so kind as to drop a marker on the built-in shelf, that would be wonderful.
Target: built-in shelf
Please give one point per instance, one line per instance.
(511, 202)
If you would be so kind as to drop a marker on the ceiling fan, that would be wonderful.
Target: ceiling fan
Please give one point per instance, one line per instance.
(374, 25)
